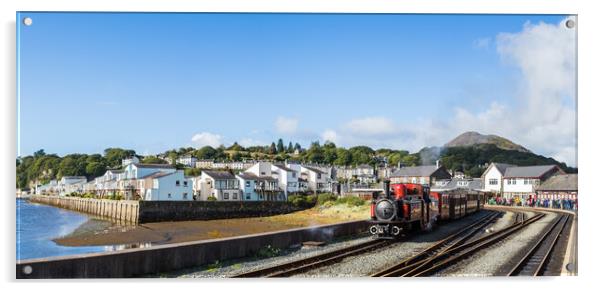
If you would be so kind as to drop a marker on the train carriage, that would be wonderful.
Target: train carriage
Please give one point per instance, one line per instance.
(407, 206)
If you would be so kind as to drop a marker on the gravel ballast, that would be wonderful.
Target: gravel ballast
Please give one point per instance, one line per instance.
(490, 262)
(369, 263)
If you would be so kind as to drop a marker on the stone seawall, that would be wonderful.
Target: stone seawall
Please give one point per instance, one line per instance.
(172, 257)
(157, 211)
(117, 210)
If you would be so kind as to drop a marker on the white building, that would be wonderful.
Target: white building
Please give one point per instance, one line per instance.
(493, 176)
(523, 181)
(165, 186)
(221, 185)
(130, 160)
(187, 160)
(255, 188)
(70, 184)
(317, 180)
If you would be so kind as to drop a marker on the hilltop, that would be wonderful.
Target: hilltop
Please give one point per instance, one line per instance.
(471, 138)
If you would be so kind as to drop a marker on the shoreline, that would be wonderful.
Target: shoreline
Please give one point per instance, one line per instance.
(159, 233)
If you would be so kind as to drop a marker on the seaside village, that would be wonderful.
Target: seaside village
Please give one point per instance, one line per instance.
(541, 185)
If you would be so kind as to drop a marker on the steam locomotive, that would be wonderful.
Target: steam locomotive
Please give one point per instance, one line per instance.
(402, 207)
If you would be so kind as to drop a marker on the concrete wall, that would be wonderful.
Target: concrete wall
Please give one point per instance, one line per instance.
(121, 210)
(158, 259)
(154, 211)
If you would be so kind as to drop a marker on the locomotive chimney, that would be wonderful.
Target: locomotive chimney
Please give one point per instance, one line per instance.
(387, 186)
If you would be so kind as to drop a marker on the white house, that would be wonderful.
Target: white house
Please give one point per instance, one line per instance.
(219, 184)
(130, 160)
(523, 181)
(187, 160)
(48, 188)
(70, 184)
(165, 186)
(127, 184)
(317, 180)
(493, 176)
(255, 188)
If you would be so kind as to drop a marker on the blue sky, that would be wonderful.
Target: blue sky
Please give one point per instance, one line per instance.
(153, 81)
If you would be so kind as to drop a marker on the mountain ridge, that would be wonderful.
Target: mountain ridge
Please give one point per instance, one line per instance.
(472, 138)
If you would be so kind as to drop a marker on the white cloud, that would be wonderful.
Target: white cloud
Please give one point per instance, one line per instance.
(286, 125)
(540, 115)
(371, 127)
(330, 135)
(207, 139)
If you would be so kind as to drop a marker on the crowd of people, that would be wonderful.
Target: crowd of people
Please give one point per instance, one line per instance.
(566, 204)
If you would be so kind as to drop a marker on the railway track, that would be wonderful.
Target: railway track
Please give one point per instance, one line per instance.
(426, 256)
(427, 262)
(310, 263)
(300, 266)
(534, 262)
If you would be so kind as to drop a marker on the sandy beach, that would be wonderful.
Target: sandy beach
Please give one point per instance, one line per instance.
(99, 233)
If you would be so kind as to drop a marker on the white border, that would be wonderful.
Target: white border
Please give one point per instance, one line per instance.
(589, 131)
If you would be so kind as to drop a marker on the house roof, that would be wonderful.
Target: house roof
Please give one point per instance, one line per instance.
(74, 177)
(502, 167)
(155, 175)
(219, 175)
(418, 171)
(314, 170)
(159, 166)
(247, 176)
(528, 172)
(566, 182)
(453, 183)
(282, 167)
(116, 171)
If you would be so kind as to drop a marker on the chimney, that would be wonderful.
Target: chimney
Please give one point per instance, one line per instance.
(438, 163)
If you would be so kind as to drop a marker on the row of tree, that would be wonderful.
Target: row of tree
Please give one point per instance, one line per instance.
(41, 167)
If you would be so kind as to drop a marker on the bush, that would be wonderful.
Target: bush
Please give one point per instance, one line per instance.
(324, 197)
(351, 201)
(211, 198)
(267, 252)
(299, 200)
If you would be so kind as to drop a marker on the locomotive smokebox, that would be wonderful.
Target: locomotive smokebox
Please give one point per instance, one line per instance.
(387, 186)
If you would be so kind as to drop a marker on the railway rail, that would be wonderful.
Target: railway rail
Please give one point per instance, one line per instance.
(534, 262)
(299, 266)
(427, 262)
(303, 265)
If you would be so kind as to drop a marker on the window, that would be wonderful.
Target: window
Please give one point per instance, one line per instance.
(263, 173)
(513, 181)
(185, 183)
(260, 196)
(226, 196)
(177, 182)
(492, 181)
(168, 195)
(294, 175)
(248, 196)
(527, 181)
(185, 196)
(234, 196)
(248, 183)
(319, 176)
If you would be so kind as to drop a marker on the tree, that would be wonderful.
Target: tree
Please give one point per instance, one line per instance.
(39, 154)
(114, 156)
(95, 169)
(297, 146)
(205, 153)
(236, 147)
(272, 149)
(280, 146)
(315, 153)
(153, 160)
(344, 157)
(290, 147)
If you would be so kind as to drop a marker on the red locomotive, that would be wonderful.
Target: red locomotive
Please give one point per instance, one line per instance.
(405, 206)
